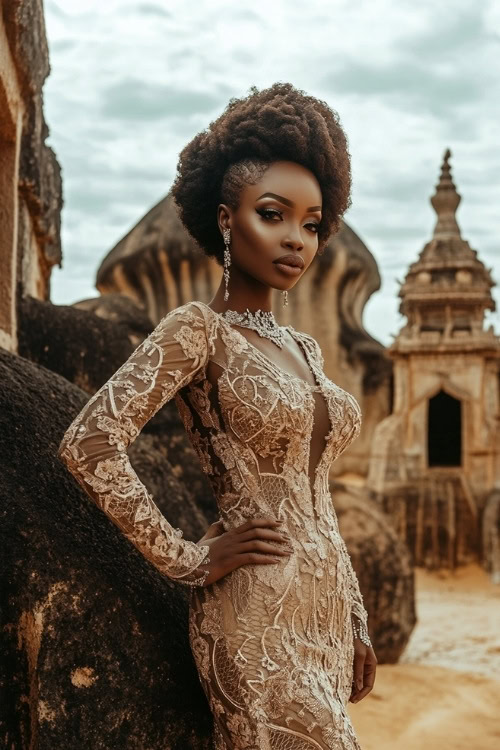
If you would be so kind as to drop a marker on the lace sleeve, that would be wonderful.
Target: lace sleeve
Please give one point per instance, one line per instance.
(94, 448)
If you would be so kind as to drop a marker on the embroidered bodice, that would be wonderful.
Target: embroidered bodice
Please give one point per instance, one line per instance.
(265, 439)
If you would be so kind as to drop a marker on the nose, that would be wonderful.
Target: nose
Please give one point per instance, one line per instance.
(293, 239)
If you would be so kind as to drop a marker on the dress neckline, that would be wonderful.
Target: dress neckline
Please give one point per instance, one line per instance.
(291, 331)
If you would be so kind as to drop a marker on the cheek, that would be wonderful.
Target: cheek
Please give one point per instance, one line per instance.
(257, 234)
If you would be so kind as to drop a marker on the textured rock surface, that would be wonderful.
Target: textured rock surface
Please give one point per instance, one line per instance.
(94, 641)
(120, 309)
(84, 348)
(384, 570)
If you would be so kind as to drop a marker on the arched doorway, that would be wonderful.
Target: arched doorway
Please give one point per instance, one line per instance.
(444, 435)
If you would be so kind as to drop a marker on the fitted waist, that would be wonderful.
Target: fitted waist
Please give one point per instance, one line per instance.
(282, 497)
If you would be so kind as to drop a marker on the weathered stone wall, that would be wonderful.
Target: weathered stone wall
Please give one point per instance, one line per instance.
(30, 181)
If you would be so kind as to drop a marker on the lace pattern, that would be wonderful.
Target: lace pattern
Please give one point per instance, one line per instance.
(273, 644)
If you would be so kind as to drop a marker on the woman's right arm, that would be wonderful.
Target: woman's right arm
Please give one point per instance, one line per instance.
(94, 448)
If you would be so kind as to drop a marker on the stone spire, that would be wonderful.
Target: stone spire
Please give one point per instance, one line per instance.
(445, 202)
(448, 289)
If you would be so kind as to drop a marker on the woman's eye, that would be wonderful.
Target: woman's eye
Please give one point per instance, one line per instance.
(269, 213)
(313, 226)
(272, 214)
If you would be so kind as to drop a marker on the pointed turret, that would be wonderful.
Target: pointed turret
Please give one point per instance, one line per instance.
(445, 202)
(447, 291)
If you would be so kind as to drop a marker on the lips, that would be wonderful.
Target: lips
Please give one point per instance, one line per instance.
(290, 260)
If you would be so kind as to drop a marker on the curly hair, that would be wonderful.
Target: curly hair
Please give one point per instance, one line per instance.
(277, 123)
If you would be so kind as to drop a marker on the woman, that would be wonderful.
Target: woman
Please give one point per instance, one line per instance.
(277, 624)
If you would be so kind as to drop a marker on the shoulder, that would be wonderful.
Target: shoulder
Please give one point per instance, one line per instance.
(192, 315)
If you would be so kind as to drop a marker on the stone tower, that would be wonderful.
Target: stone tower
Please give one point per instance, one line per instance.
(436, 458)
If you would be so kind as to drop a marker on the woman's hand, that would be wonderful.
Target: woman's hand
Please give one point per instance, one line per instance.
(255, 542)
(365, 666)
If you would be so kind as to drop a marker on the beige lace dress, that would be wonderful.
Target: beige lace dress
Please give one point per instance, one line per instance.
(273, 643)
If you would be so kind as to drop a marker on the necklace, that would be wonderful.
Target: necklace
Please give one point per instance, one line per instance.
(260, 321)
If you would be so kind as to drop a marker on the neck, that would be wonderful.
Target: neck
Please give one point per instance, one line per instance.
(245, 292)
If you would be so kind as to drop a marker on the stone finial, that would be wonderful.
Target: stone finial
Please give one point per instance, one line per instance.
(445, 202)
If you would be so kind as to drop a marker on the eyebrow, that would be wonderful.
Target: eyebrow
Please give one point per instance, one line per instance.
(286, 201)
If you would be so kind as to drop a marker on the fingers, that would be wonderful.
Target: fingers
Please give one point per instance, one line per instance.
(358, 676)
(370, 669)
(258, 535)
(255, 523)
(263, 533)
(263, 548)
(364, 684)
(361, 694)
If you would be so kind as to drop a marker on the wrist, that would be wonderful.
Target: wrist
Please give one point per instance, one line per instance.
(360, 631)
(196, 573)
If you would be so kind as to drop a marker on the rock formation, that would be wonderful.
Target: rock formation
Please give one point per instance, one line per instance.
(94, 641)
(85, 349)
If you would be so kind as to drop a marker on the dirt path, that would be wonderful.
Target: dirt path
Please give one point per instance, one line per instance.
(445, 692)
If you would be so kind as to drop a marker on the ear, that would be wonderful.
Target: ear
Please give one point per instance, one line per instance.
(223, 216)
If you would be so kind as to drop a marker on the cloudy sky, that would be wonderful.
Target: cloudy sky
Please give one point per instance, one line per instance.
(132, 81)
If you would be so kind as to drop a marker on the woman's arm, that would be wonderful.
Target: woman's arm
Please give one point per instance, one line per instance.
(94, 448)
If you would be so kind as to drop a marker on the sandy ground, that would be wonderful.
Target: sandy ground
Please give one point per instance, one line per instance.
(445, 692)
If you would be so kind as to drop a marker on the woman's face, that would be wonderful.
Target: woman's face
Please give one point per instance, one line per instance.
(277, 219)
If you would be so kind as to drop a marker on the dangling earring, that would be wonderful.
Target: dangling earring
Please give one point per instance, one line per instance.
(285, 297)
(227, 261)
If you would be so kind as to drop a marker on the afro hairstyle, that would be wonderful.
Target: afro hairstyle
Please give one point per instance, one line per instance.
(274, 124)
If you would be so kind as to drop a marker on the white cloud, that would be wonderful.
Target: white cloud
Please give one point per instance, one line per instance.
(132, 82)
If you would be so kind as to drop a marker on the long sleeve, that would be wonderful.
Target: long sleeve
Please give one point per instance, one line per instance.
(94, 448)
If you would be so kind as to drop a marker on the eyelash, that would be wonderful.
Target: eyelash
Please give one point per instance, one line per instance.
(266, 213)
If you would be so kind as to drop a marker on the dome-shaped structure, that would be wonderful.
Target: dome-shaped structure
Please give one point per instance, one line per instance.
(158, 264)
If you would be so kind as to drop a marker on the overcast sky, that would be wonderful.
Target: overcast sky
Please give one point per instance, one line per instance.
(132, 82)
